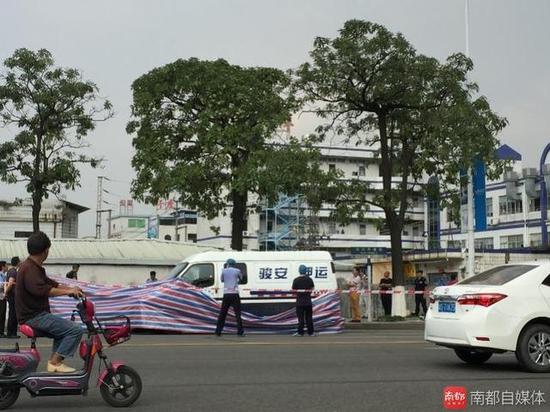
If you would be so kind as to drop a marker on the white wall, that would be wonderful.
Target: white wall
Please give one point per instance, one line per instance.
(111, 274)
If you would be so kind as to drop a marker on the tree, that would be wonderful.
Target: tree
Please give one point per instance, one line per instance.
(421, 115)
(52, 110)
(205, 130)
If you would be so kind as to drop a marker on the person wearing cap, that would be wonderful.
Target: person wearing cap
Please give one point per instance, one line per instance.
(304, 307)
(11, 277)
(231, 276)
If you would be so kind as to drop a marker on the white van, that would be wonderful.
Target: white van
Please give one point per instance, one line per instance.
(267, 275)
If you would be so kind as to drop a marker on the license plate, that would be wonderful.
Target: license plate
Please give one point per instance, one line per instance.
(447, 307)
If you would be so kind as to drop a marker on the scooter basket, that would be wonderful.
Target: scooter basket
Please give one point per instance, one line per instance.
(117, 333)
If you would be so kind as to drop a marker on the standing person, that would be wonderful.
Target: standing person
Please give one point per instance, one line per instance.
(364, 295)
(3, 302)
(420, 285)
(73, 273)
(385, 286)
(10, 296)
(304, 307)
(231, 276)
(32, 291)
(152, 277)
(354, 295)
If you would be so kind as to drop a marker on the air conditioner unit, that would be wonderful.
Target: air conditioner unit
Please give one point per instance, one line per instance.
(494, 221)
(245, 233)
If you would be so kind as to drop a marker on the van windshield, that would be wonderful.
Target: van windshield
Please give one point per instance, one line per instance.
(177, 270)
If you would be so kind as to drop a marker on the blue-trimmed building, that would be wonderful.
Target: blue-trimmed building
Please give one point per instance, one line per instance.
(507, 212)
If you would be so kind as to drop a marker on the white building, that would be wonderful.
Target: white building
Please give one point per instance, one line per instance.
(166, 226)
(289, 223)
(58, 218)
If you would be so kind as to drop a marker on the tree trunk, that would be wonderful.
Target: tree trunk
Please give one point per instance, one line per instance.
(395, 224)
(36, 207)
(238, 218)
(397, 254)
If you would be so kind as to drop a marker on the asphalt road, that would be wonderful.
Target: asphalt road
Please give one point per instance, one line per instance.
(368, 370)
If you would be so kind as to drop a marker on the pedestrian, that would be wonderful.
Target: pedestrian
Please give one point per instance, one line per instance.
(385, 287)
(454, 279)
(354, 294)
(11, 278)
(420, 286)
(73, 273)
(152, 277)
(3, 302)
(32, 291)
(364, 295)
(304, 307)
(231, 276)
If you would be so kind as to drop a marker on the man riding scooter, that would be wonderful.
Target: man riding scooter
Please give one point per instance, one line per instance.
(32, 291)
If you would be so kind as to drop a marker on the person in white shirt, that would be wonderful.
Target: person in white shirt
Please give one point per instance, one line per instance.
(355, 285)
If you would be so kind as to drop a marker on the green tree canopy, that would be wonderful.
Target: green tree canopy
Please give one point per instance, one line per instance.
(422, 116)
(205, 130)
(50, 109)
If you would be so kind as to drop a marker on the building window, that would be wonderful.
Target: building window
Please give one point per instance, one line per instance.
(511, 242)
(192, 237)
(21, 234)
(332, 228)
(535, 239)
(508, 206)
(489, 206)
(332, 167)
(484, 243)
(454, 244)
(362, 229)
(136, 223)
(361, 170)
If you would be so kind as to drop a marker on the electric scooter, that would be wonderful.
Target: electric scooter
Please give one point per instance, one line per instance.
(119, 384)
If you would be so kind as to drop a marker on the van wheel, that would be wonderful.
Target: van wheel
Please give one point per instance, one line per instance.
(533, 348)
(473, 356)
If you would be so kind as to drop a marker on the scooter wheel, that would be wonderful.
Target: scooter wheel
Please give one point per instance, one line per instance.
(121, 388)
(8, 396)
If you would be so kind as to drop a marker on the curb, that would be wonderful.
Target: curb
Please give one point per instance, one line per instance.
(398, 325)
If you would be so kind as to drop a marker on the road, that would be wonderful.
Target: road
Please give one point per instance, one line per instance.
(367, 370)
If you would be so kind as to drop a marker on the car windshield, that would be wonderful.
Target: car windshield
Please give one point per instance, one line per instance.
(177, 270)
(499, 275)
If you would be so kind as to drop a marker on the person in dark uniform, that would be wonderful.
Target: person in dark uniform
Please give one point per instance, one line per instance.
(385, 287)
(304, 307)
(420, 285)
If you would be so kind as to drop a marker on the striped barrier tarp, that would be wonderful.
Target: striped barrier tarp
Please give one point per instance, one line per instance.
(176, 306)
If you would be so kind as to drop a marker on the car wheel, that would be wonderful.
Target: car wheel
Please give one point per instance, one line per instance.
(533, 349)
(473, 356)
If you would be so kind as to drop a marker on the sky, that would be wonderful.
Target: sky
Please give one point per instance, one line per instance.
(114, 42)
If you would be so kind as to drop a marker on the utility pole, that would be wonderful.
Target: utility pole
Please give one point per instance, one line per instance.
(470, 192)
(99, 206)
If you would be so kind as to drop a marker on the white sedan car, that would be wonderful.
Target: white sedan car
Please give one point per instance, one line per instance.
(506, 308)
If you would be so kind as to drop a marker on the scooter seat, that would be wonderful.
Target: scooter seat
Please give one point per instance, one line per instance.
(27, 331)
